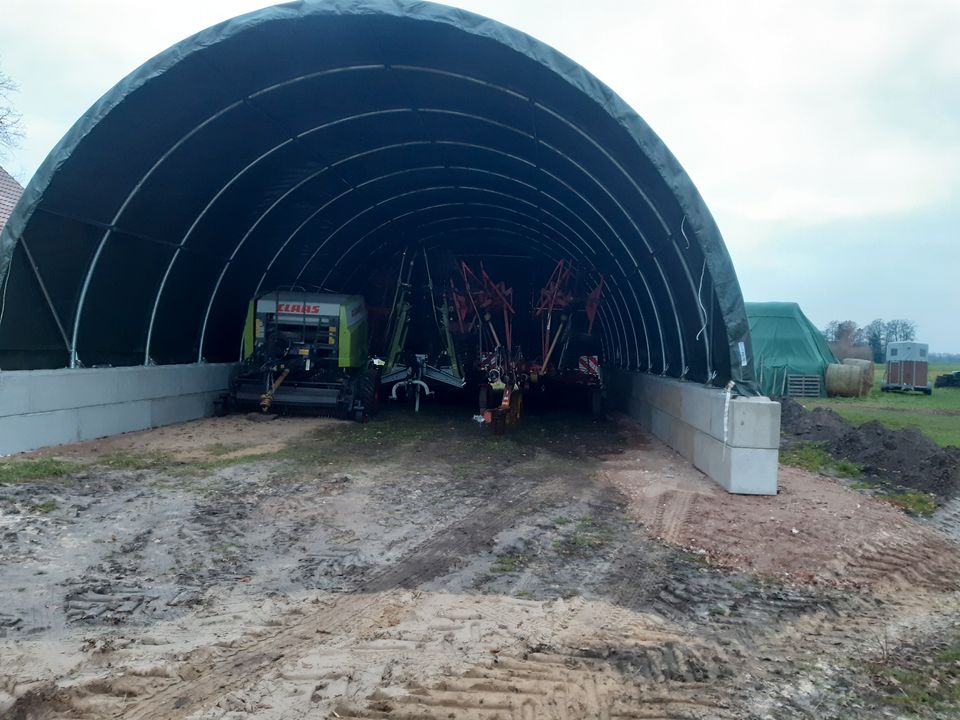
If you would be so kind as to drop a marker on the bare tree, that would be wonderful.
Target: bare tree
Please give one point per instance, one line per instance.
(901, 331)
(848, 332)
(11, 126)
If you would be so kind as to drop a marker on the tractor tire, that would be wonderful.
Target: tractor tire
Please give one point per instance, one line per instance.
(367, 391)
(223, 405)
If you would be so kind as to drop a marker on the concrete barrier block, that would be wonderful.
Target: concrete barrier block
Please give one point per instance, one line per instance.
(29, 432)
(755, 423)
(689, 417)
(103, 420)
(746, 471)
(14, 394)
(203, 378)
(61, 389)
(753, 471)
(751, 422)
(698, 406)
(674, 432)
(639, 411)
(143, 383)
(40, 408)
(167, 411)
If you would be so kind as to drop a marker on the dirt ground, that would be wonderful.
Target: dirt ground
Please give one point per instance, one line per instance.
(417, 567)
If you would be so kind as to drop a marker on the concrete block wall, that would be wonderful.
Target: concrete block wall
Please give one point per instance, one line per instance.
(742, 456)
(40, 408)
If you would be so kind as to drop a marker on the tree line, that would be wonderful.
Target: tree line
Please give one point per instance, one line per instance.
(848, 339)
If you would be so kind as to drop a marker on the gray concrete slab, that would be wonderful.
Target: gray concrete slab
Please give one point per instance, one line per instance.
(734, 440)
(40, 408)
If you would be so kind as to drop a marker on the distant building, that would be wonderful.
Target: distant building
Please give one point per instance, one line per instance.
(10, 192)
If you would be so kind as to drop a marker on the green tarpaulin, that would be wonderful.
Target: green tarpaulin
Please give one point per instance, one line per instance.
(785, 343)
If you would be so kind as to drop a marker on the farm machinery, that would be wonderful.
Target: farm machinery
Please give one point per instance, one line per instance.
(411, 372)
(309, 351)
(566, 361)
(469, 329)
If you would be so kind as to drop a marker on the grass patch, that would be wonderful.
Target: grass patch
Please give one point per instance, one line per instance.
(47, 506)
(587, 537)
(561, 520)
(922, 687)
(186, 468)
(44, 468)
(812, 456)
(509, 563)
(914, 501)
(220, 449)
(134, 461)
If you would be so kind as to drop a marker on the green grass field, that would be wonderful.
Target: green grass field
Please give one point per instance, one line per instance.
(937, 415)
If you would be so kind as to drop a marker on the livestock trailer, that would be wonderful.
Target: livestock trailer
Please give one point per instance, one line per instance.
(906, 368)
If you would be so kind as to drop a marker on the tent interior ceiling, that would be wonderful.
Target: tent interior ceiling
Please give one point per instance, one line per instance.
(308, 144)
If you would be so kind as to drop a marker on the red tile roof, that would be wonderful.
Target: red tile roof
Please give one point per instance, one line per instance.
(10, 192)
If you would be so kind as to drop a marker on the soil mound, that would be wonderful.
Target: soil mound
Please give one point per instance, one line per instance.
(817, 425)
(905, 457)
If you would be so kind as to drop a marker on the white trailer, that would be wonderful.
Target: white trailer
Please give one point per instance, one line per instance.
(906, 368)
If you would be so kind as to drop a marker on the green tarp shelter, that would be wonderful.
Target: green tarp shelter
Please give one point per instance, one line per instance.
(786, 343)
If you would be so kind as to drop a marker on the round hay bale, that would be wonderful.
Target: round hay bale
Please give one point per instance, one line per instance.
(869, 370)
(844, 380)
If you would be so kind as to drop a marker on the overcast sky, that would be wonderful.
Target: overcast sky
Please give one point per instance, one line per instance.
(824, 136)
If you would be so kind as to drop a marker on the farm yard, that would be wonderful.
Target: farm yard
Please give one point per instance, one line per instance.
(375, 360)
(248, 567)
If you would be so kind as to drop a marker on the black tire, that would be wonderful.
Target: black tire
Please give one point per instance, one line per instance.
(367, 394)
(484, 397)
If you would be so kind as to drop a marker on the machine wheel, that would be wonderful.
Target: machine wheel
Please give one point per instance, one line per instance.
(484, 397)
(927, 391)
(367, 393)
(223, 405)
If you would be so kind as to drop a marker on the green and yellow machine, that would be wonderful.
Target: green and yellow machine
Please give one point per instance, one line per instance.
(307, 350)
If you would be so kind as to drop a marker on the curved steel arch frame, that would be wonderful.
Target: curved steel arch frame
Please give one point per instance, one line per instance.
(225, 108)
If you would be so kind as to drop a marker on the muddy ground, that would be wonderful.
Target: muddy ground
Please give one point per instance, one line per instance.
(417, 567)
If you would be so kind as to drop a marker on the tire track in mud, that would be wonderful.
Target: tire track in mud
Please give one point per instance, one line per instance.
(904, 562)
(606, 663)
(546, 686)
(208, 673)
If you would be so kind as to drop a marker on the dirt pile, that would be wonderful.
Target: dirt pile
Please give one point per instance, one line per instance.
(904, 457)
